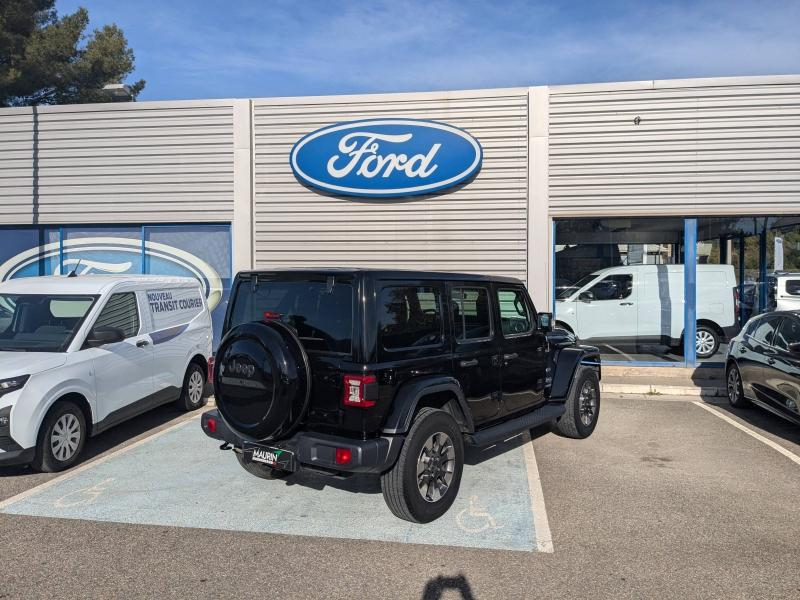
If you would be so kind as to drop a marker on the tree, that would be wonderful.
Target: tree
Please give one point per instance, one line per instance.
(45, 59)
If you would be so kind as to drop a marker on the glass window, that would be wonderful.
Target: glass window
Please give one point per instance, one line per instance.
(793, 287)
(613, 287)
(514, 316)
(789, 333)
(764, 329)
(471, 316)
(321, 314)
(121, 312)
(409, 316)
(40, 323)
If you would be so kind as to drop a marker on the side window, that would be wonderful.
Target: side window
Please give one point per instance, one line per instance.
(793, 287)
(764, 330)
(515, 318)
(471, 316)
(613, 287)
(120, 311)
(789, 333)
(410, 316)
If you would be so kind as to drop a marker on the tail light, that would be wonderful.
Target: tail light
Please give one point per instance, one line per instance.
(272, 315)
(210, 374)
(360, 390)
(736, 303)
(343, 456)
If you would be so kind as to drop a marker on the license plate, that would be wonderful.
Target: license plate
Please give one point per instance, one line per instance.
(277, 458)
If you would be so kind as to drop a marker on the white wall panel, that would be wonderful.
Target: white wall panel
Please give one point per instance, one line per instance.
(711, 146)
(481, 227)
(114, 163)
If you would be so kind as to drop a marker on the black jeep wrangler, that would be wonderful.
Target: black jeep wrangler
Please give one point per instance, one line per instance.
(391, 372)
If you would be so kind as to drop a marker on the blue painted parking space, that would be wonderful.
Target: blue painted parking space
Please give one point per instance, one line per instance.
(181, 479)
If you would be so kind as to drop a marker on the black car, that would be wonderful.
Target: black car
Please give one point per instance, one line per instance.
(763, 364)
(391, 372)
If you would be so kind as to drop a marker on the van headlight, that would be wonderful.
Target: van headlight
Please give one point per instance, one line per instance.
(13, 384)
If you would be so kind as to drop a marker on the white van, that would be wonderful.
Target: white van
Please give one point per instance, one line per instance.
(784, 290)
(644, 304)
(81, 354)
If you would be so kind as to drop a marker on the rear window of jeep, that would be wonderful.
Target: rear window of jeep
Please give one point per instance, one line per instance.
(322, 316)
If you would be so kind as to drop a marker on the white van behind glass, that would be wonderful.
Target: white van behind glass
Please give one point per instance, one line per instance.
(643, 304)
(81, 354)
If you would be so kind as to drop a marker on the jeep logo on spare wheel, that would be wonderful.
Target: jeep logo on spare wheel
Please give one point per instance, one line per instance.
(385, 158)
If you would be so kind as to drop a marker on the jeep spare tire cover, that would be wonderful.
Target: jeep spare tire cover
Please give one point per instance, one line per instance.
(262, 380)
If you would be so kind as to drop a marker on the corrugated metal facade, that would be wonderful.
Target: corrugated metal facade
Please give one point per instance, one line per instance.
(703, 147)
(145, 162)
(481, 227)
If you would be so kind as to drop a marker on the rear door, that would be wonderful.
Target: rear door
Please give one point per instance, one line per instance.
(782, 371)
(754, 353)
(522, 350)
(476, 351)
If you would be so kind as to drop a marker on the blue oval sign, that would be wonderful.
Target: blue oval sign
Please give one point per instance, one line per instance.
(384, 158)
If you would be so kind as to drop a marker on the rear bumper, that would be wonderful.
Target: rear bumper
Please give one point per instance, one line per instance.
(318, 450)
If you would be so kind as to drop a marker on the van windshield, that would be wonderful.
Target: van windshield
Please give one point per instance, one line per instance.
(40, 322)
(322, 315)
(564, 292)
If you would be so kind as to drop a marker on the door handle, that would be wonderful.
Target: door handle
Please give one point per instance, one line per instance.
(469, 363)
(142, 343)
(510, 357)
(626, 303)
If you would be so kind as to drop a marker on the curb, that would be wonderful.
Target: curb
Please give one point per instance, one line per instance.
(665, 390)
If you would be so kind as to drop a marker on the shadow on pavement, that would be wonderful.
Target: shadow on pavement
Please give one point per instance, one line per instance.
(114, 437)
(437, 587)
(758, 418)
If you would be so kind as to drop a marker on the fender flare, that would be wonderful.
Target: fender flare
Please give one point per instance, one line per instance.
(408, 397)
(566, 364)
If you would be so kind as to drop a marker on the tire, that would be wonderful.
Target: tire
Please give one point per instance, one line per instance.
(733, 381)
(433, 431)
(583, 406)
(260, 471)
(192, 391)
(58, 451)
(706, 342)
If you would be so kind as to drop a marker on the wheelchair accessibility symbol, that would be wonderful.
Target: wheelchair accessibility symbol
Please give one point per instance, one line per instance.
(83, 496)
(476, 519)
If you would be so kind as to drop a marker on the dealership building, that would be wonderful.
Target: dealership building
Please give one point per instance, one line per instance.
(547, 184)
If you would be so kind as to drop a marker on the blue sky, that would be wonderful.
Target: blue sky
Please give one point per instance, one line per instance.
(257, 48)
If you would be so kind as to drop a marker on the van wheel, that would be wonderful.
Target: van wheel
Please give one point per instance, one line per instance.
(261, 471)
(61, 438)
(424, 481)
(706, 341)
(583, 406)
(194, 383)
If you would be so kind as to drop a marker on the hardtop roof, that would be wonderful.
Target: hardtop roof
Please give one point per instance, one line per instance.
(385, 274)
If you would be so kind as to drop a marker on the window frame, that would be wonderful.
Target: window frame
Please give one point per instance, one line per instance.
(138, 314)
(492, 332)
(532, 317)
(751, 330)
(785, 320)
(437, 286)
(610, 276)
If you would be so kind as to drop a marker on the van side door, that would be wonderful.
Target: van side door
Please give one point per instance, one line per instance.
(607, 310)
(123, 371)
(522, 349)
(476, 350)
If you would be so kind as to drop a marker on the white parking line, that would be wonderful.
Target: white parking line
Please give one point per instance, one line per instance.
(788, 454)
(544, 539)
(88, 465)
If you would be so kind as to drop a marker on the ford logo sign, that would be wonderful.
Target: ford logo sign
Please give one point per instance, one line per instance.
(385, 158)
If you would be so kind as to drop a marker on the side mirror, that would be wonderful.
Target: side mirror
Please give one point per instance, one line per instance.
(794, 347)
(546, 321)
(100, 336)
(586, 296)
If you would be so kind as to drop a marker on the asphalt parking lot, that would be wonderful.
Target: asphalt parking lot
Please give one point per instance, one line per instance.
(666, 498)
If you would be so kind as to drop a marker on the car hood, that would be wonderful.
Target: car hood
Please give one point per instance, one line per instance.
(29, 363)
